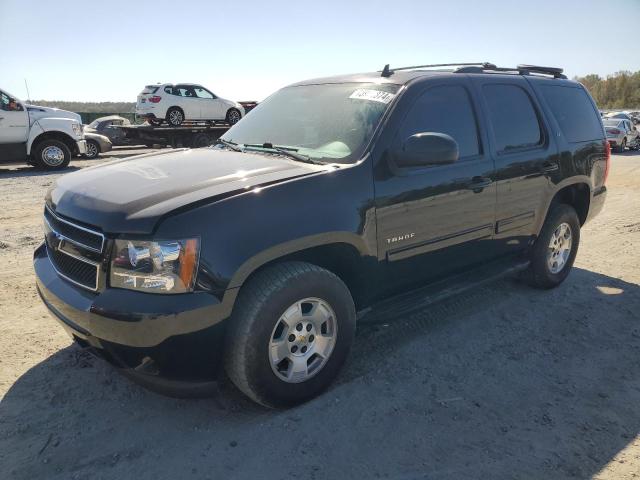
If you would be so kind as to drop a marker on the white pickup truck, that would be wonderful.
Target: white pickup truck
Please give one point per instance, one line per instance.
(41, 136)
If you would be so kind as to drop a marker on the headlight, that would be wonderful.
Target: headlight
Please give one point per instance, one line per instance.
(77, 129)
(167, 266)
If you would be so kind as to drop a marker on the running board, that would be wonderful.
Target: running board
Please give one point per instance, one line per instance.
(422, 297)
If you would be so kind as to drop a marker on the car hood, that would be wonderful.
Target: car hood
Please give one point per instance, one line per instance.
(131, 195)
(36, 112)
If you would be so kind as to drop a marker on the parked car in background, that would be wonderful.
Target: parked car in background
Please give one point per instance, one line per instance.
(110, 127)
(635, 117)
(175, 104)
(621, 133)
(41, 136)
(96, 144)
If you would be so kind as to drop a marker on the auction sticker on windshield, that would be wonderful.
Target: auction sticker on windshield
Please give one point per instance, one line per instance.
(372, 95)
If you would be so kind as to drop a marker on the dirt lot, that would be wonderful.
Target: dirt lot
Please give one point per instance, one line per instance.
(505, 383)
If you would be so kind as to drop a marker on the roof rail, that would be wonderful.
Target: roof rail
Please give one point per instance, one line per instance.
(521, 69)
(482, 67)
(387, 71)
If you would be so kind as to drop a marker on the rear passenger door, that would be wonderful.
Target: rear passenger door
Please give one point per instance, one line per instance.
(524, 153)
(188, 101)
(435, 221)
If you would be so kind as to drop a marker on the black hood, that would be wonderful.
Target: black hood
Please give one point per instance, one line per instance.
(130, 195)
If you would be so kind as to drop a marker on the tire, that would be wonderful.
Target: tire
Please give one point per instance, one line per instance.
(233, 116)
(175, 116)
(51, 154)
(93, 149)
(622, 147)
(258, 319)
(541, 272)
(201, 140)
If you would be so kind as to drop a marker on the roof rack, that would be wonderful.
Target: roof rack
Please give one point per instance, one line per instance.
(484, 67)
(387, 71)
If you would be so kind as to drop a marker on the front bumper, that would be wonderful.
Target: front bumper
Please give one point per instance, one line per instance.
(81, 145)
(169, 343)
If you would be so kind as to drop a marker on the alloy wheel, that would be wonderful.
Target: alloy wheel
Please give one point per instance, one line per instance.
(302, 340)
(559, 248)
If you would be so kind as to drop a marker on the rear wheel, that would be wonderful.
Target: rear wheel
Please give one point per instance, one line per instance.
(93, 149)
(51, 154)
(175, 116)
(233, 116)
(201, 140)
(555, 248)
(289, 334)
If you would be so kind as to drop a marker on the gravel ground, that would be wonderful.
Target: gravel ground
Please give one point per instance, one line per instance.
(504, 383)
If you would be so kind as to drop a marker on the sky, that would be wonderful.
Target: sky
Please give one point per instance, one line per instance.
(246, 49)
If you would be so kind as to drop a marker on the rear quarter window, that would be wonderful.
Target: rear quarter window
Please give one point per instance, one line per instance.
(149, 89)
(574, 112)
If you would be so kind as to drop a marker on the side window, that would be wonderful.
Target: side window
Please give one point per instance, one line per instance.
(202, 93)
(9, 104)
(170, 90)
(514, 119)
(184, 91)
(444, 109)
(574, 112)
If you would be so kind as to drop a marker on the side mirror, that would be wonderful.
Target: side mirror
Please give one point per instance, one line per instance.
(427, 149)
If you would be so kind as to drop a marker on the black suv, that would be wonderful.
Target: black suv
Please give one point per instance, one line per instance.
(369, 193)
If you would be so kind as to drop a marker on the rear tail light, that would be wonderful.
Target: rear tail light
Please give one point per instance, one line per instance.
(607, 158)
(155, 99)
(614, 131)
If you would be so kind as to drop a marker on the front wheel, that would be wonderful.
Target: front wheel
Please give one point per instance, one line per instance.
(93, 149)
(51, 154)
(555, 248)
(290, 333)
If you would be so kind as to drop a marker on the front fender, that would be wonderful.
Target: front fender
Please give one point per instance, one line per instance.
(45, 125)
(245, 231)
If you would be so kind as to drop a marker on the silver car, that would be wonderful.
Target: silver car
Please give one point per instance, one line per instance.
(96, 144)
(621, 134)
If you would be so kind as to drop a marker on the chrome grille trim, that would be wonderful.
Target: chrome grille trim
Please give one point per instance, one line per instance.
(71, 240)
(89, 262)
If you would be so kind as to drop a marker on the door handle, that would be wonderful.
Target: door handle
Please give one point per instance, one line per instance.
(548, 167)
(477, 184)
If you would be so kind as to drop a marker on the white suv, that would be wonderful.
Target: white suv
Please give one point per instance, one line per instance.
(185, 102)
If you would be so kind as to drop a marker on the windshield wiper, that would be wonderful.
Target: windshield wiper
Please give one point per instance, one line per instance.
(232, 145)
(286, 151)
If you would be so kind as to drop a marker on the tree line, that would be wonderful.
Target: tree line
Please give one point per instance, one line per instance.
(618, 91)
(88, 107)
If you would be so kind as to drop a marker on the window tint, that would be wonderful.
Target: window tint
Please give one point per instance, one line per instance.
(445, 109)
(514, 120)
(202, 93)
(574, 112)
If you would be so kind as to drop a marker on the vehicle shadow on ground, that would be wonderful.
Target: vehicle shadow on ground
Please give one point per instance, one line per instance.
(503, 382)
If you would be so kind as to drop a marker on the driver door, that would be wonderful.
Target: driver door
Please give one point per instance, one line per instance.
(438, 220)
(14, 120)
(210, 106)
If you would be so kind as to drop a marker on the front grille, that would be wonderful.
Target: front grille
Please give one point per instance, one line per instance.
(81, 236)
(75, 251)
(75, 269)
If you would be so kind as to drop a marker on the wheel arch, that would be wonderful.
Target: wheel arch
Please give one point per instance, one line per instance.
(343, 256)
(54, 135)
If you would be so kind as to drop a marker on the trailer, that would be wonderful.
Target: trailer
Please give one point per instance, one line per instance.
(187, 135)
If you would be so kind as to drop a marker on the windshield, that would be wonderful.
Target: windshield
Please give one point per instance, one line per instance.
(326, 122)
